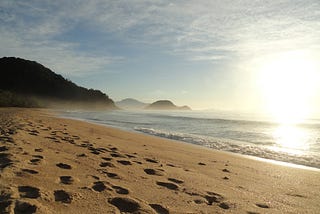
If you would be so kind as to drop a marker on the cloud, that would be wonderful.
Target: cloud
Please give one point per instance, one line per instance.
(196, 30)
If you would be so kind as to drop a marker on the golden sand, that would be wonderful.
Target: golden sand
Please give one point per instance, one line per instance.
(54, 165)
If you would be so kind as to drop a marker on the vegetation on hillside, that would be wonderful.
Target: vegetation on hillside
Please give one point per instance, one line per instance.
(24, 81)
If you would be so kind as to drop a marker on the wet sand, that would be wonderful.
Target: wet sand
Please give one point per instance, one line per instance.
(54, 165)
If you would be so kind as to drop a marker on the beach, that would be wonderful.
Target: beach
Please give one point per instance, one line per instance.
(56, 165)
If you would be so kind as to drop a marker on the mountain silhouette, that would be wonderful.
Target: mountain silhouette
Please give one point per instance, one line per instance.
(130, 103)
(37, 85)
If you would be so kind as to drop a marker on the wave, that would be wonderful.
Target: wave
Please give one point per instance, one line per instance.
(267, 152)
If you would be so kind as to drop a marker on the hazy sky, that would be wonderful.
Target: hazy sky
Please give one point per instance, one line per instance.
(206, 54)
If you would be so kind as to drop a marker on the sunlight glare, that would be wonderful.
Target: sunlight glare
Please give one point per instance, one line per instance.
(290, 138)
(288, 83)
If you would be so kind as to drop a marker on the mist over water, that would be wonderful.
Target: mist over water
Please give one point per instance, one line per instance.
(299, 144)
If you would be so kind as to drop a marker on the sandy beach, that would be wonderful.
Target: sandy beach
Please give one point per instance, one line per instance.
(54, 165)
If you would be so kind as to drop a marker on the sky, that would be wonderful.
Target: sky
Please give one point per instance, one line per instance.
(205, 54)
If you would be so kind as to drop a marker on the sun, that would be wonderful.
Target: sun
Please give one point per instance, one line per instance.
(288, 84)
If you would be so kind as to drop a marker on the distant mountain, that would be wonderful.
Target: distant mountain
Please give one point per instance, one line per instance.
(130, 103)
(39, 86)
(165, 105)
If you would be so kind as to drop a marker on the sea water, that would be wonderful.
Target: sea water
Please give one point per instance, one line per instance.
(292, 143)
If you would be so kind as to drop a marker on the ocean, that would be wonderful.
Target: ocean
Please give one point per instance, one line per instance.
(295, 143)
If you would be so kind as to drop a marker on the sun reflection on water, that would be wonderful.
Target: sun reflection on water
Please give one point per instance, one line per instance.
(291, 138)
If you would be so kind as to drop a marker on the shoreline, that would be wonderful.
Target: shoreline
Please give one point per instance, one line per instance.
(257, 158)
(56, 165)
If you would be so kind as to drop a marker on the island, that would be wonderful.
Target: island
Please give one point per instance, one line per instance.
(165, 105)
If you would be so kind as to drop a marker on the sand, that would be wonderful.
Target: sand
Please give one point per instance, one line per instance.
(54, 165)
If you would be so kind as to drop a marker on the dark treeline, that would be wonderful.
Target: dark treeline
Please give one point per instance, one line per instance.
(26, 78)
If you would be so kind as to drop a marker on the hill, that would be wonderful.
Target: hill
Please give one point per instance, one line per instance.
(165, 105)
(130, 103)
(37, 85)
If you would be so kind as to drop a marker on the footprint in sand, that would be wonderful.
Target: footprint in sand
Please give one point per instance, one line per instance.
(265, 206)
(95, 177)
(106, 164)
(224, 206)
(35, 161)
(114, 149)
(226, 170)
(23, 172)
(124, 162)
(120, 190)
(63, 166)
(138, 162)
(154, 172)
(29, 192)
(112, 175)
(5, 201)
(66, 180)
(213, 197)
(99, 186)
(30, 171)
(102, 150)
(177, 181)
(117, 155)
(199, 201)
(168, 185)
(24, 208)
(126, 205)
(171, 165)
(3, 148)
(62, 196)
(95, 152)
(38, 150)
(159, 209)
(151, 160)
(130, 156)
(5, 161)
(201, 164)
(107, 158)
(33, 133)
(38, 156)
